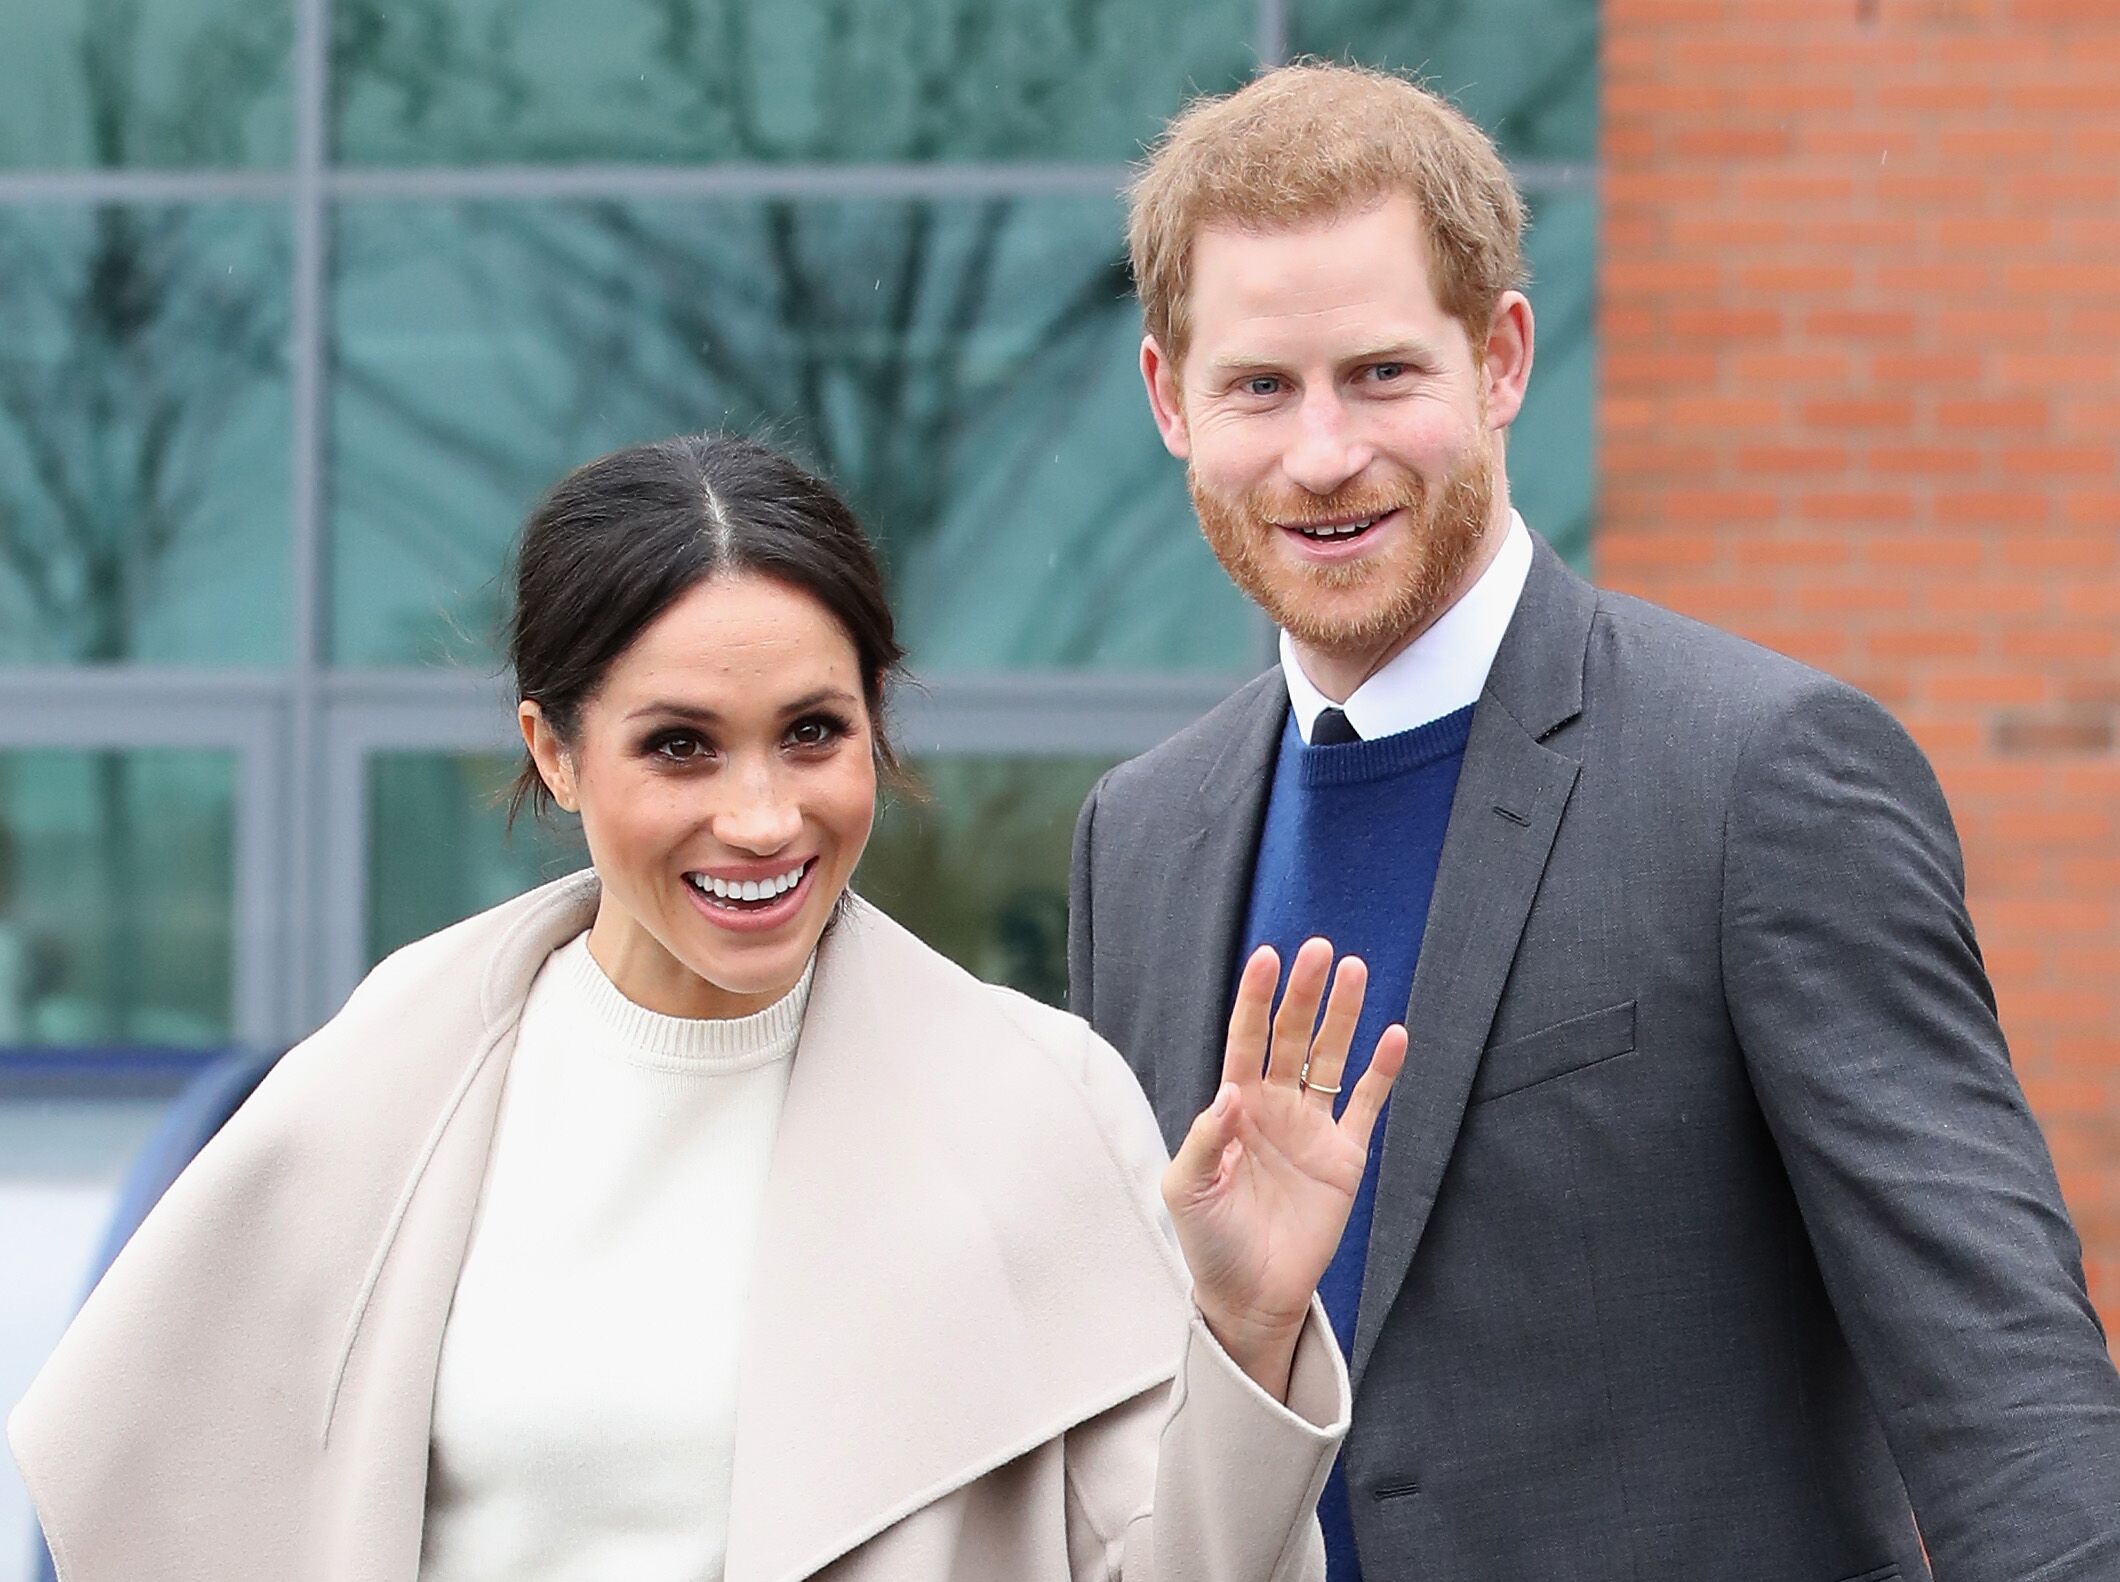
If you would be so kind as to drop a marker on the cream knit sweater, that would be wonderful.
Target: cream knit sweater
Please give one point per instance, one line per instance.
(584, 1408)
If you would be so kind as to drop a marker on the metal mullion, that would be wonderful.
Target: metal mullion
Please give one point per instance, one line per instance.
(145, 186)
(732, 180)
(1273, 31)
(306, 835)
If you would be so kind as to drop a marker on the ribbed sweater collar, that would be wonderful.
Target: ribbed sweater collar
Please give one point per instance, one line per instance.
(709, 1046)
(1356, 763)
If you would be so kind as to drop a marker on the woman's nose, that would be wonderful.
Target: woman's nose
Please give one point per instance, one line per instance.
(762, 820)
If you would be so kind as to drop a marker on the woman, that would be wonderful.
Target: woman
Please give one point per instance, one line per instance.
(687, 1218)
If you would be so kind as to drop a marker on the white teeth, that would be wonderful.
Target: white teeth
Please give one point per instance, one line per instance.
(748, 889)
(1345, 530)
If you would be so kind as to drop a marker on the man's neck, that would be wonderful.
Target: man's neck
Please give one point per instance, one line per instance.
(1339, 672)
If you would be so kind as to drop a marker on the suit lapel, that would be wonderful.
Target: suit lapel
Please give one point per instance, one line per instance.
(1503, 819)
(1207, 892)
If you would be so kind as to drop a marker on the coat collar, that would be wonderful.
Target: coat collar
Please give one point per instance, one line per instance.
(941, 1284)
(954, 1268)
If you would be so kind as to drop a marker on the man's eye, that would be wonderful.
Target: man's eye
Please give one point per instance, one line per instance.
(1262, 385)
(1387, 370)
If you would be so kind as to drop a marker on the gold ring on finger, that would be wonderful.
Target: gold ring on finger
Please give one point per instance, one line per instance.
(1305, 1085)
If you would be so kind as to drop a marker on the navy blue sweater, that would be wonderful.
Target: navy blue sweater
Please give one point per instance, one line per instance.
(1352, 838)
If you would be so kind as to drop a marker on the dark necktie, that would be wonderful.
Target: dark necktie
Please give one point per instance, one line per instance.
(1331, 728)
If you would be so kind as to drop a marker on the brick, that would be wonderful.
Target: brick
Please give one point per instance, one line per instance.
(1997, 142)
(1936, 461)
(1772, 279)
(1732, 142)
(1928, 369)
(1883, 412)
(1909, 641)
(1957, 95)
(1853, 598)
(1791, 460)
(1782, 553)
(1987, 416)
(1999, 509)
(2051, 461)
(1862, 324)
(1856, 506)
(1723, 507)
(1925, 552)
(1725, 324)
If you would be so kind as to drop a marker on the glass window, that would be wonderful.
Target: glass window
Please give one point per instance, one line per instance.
(1552, 457)
(799, 81)
(965, 370)
(116, 898)
(97, 83)
(143, 433)
(980, 872)
(439, 848)
(1526, 70)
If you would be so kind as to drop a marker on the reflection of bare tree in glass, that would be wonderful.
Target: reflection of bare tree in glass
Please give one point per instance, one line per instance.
(130, 346)
(899, 345)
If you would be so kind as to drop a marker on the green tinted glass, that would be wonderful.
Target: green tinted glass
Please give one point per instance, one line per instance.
(143, 434)
(93, 83)
(980, 872)
(963, 370)
(116, 898)
(811, 81)
(1526, 70)
(439, 848)
(1552, 458)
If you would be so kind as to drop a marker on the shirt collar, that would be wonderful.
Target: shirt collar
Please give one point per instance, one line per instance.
(1439, 672)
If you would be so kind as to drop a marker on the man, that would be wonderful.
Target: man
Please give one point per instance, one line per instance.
(1708, 1234)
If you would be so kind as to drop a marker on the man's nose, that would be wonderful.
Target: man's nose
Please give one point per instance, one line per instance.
(1326, 451)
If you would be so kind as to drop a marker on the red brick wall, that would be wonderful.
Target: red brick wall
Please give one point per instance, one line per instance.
(1860, 400)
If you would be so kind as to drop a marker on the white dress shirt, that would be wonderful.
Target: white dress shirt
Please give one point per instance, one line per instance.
(1439, 672)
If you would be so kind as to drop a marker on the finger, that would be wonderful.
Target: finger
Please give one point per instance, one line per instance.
(1343, 1010)
(1244, 1055)
(1367, 1101)
(1294, 1023)
(1198, 1161)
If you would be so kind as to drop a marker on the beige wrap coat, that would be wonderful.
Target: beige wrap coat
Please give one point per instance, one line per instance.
(971, 1351)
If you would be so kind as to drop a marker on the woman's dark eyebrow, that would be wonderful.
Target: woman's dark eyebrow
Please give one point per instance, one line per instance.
(694, 714)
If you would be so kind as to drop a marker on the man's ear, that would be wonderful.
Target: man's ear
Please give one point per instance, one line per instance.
(547, 752)
(1160, 374)
(1506, 363)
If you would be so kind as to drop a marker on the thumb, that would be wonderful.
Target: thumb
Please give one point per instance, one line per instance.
(1198, 1161)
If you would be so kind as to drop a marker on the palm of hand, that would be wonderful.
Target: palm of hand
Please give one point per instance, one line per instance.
(1261, 1188)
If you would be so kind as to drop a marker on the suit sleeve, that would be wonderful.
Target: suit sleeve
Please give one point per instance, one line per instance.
(1081, 938)
(1869, 1029)
(1207, 1478)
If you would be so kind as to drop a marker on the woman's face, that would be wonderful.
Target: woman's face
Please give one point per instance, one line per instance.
(726, 780)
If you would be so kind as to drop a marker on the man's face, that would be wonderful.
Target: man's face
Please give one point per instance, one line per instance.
(1339, 428)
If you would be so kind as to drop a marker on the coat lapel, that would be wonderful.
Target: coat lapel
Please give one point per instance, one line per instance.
(949, 1272)
(283, 1306)
(1208, 893)
(1510, 797)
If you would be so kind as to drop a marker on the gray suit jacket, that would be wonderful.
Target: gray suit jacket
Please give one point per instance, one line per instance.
(1713, 1236)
